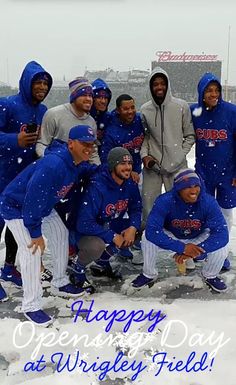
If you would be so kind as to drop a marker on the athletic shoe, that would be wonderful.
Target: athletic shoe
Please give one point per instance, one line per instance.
(46, 277)
(136, 245)
(67, 291)
(125, 253)
(78, 278)
(141, 280)
(104, 269)
(3, 294)
(9, 273)
(226, 265)
(189, 263)
(216, 284)
(39, 317)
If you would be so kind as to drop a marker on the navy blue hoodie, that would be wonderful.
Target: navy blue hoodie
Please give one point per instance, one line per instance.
(15, 112)
(105, 201)
(35, 191)
(186, 221)
(129, 136)
(102, 118)
(215, 136)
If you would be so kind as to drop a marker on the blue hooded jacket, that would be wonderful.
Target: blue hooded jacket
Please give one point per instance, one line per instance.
(215, 136)
(129, 136)
(35, 191)
(186, 221)
(105, 201)
(15, 112)
(101, 118)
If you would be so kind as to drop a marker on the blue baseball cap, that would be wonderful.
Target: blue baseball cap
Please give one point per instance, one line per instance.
(82, 133)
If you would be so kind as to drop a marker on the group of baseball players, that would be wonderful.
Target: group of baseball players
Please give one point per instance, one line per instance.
(86, 184)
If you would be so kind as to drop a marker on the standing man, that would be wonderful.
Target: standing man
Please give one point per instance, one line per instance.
(102, 228)
(27, 206)
(20, 119)
(187, 221)
(58, 120)
(101, 99)
(125, 130)
(168, 139)
(214, 122)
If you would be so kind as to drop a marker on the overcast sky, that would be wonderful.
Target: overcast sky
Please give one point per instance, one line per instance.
(67, 36)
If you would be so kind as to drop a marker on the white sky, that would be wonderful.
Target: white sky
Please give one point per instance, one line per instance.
(66, 36)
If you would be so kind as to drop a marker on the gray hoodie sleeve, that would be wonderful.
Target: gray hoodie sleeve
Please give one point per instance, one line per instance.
(47, 134)
(144, 149)
(94, 159)
(188, 130)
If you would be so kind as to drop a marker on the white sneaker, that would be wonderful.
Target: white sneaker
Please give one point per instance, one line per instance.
(190, 265)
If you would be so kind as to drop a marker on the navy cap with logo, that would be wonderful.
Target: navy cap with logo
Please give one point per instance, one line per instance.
(82, 133)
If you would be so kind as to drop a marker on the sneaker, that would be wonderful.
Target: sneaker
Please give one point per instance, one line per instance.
(137, 245)
(3, 294)
(226, 265)
(125, 253)
(78, 278)
(67, 291)
(104, 269)
(189, 263)
(38, 317)
(141, 280)
(46, 277)
(9, 273)
(216, 284)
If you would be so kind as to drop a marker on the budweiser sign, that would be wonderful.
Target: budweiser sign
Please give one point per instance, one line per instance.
(184, 57)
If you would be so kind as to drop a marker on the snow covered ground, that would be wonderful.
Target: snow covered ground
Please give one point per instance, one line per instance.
(178, 319)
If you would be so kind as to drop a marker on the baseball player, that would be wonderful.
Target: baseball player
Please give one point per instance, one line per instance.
(99, 110)
(20, 119)
(214, 122)
(169, 136)
(27, 206)
(101, 227)
(189, 222)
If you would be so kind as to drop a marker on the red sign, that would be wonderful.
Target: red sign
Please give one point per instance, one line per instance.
(184, 57)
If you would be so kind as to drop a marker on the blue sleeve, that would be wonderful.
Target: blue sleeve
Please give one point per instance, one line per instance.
(219, 236)
(8, 141)
(40, 197)
(87, 170)
(88, 213)
(135, 208)
(155, 227)
(107, 144)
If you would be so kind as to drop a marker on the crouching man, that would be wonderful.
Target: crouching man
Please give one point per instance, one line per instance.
(189, 222)
(27, 206)
(102, 224)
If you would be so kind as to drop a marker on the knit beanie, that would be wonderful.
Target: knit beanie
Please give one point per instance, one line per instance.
(118, 155)
(186, 178)
(79, 87)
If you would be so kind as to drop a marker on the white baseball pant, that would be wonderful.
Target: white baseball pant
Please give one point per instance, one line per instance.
(212, 264)
(229, 216)
(57, 237)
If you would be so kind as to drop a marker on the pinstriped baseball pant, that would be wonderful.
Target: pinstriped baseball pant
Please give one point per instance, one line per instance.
(211, 266)
(57, 238)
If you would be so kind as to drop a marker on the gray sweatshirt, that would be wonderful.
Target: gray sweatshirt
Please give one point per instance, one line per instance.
(169, 131)
(57, 123)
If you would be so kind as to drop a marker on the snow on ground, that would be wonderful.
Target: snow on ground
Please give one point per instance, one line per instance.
(179, 319)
